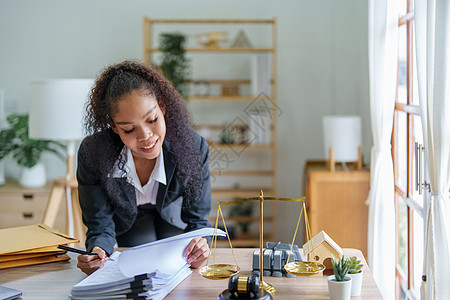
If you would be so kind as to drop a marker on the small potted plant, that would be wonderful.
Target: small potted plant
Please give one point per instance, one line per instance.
(355, 273)
(25, 151)
(339, 284)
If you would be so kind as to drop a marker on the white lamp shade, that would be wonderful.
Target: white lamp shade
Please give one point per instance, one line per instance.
(57, 108)
(343, 133)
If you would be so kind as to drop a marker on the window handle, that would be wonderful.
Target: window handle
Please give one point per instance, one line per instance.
(416, 163)
(420, 156)
(425, 185)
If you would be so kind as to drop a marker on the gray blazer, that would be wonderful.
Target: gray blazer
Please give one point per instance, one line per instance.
(107, 214)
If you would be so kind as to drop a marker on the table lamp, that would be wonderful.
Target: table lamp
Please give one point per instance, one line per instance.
(342, 139)
(56, 113)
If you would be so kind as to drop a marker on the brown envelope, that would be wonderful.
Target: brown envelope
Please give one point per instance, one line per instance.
(31, 237)
(33, 261)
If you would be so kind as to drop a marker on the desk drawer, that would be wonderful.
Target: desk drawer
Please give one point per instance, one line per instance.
(15, 204)
(15, 219)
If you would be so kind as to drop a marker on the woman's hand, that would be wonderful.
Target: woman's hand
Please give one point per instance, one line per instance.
(90, 263)
(196, 252)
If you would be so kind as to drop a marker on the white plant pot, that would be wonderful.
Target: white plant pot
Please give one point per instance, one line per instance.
(339, 290)
(33, 177)
(356, 283)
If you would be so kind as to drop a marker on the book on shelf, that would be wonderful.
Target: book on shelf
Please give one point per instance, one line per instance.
(148, 271)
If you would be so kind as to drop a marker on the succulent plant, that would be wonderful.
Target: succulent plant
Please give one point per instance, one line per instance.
(340, 268)
(355, 265)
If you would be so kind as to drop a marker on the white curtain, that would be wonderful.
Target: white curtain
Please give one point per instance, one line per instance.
(383, 49)
(432, 28)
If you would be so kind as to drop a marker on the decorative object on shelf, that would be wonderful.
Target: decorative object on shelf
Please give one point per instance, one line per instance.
(355, 272)
(212, 39)
(227, 136)
(261, 74)
(27, 151)
(339, 284)
(321, 247)
(205, 132)
(201, 88)
(234, 133)
(56, 113)
(175, 65)
(241, 134)
(342, 139)
(241, 40)
(230, 90)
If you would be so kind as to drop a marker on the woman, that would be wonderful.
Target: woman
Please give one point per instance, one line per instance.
(143, 173)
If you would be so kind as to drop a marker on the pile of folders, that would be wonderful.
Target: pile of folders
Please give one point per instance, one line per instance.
(153, 285)
(31, 245)
(147, 271)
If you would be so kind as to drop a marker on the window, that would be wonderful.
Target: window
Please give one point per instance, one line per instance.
(406, 149)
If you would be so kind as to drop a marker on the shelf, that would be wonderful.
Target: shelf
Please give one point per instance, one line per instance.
(220, 81)
(218, 49)
(240, 193)
(228, 98)
(242, 219)
(223, 81)
(208, 21)
(213, 146)
(222, 98)
(242, 173)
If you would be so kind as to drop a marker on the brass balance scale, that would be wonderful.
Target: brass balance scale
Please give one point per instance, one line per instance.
(224, 271)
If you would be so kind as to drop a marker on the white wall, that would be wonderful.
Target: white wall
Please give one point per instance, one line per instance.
(322, 61)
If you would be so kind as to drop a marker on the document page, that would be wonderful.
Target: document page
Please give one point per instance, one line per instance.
(163, 256)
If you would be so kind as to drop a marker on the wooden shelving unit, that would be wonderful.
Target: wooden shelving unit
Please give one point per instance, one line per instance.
(150, 48)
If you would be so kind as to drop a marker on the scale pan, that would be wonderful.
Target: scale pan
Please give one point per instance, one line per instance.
(218, 271)
(304, 268)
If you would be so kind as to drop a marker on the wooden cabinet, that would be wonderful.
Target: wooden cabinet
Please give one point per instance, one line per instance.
(335, 203)
(235, 169)
(21, 206)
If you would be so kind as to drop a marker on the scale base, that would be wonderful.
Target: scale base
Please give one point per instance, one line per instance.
(227, 295)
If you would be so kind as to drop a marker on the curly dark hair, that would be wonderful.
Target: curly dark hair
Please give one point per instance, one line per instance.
(123, 78)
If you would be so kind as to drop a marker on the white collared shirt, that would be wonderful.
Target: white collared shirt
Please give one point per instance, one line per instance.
(147, 193)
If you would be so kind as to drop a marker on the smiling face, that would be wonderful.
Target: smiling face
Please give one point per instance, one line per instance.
(139, 121)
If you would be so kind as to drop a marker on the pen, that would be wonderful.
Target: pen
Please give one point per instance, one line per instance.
(75, 250)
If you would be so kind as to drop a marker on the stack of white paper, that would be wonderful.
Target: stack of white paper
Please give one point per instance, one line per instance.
(148, 271)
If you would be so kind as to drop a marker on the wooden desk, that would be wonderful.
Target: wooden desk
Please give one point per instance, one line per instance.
(55, 280)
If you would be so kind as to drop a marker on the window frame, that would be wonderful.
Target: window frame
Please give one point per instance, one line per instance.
(405, 280)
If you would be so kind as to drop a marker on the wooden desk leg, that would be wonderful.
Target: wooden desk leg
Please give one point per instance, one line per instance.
(56, 196)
